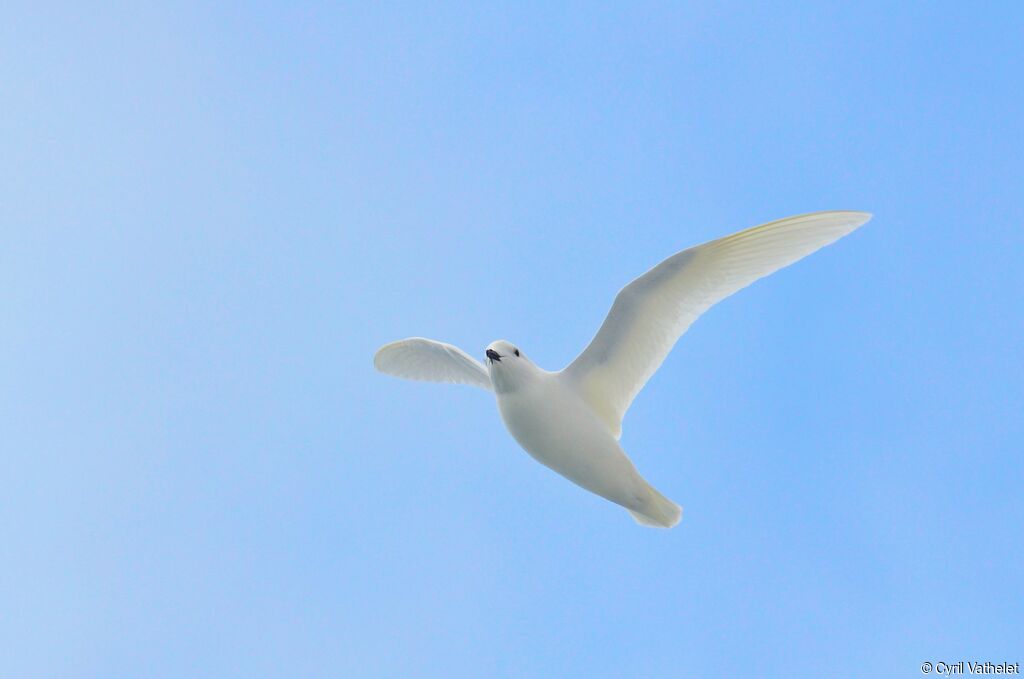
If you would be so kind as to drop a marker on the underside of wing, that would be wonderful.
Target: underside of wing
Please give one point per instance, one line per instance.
(651, 313)
(417, 358)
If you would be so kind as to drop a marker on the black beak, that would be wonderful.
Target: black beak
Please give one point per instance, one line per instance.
(494, 355)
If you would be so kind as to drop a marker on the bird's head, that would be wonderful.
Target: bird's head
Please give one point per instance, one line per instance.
(508, 366)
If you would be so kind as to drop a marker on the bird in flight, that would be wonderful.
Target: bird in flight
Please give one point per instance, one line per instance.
(571, 420)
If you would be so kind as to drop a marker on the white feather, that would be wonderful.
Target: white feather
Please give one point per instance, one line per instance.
(417, 358)
(650, 314)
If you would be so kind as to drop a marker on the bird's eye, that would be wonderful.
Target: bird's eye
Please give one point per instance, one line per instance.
(516, 351)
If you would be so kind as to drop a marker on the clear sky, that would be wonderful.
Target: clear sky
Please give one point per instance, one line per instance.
(213, 216)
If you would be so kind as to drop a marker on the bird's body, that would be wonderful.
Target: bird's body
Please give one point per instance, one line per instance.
(551, 421)
(571, 420)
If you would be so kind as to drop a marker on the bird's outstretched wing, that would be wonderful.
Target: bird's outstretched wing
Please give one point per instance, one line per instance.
(651, 313)
(417, 358)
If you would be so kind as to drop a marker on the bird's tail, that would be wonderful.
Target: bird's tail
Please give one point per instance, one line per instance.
(658, 511)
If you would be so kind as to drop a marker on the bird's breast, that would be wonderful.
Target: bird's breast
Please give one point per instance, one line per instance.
(553, 424)
(536, 414)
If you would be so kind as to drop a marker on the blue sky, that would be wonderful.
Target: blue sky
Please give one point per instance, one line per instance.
(213, 216)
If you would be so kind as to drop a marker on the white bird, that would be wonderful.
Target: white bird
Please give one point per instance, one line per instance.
(571, 420)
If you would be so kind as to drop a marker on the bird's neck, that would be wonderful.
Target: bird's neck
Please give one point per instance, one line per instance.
(508, 381)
